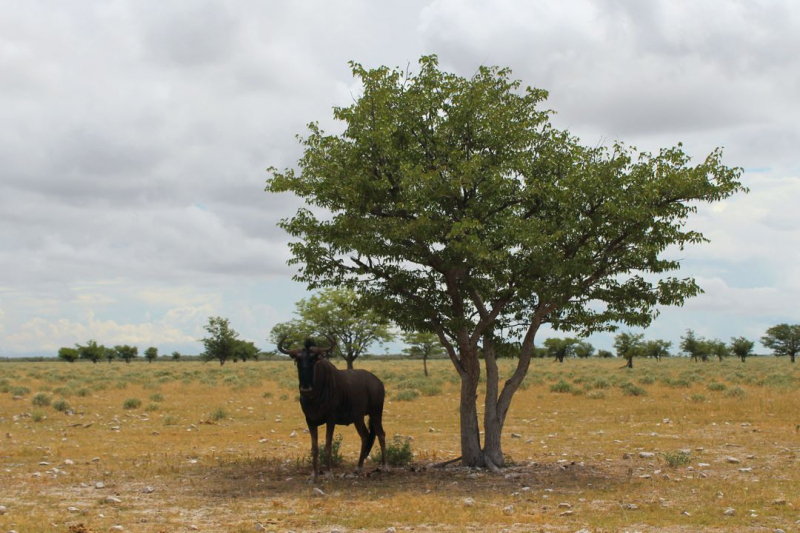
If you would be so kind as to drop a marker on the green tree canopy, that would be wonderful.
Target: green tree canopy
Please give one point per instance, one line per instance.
(126, 353)
(222, 340)
(559, 349)
(422, 344)
(717, 348)
(695, 347)
(452, 205)
(629, 345)
(91, 351)
(245, 350)
(783, 339)
(338, 313)
(656, 348)
(151, 354)
(742, 347)
(68, 354)
(583, 349)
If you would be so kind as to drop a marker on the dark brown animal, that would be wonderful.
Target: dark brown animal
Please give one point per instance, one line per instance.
(331, 396)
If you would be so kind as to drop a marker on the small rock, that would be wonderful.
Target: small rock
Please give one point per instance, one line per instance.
(3, 509)
(73, 510)
(516, 436)
(778, 531)
(391, 530)
(703, 465)
(95, 460)
(583, 531)
(117, 528)
(732, 460)
(646, 455)
(730, 511)
(318, 492)
(99, 485)
(745, 470)
(509, 510)
(259, 527)
(113, 499)
(44, 463)
(626, 456)
(686, 513)
(779, 501)
(148, 490)
(469, 502)
(630, 506)
(431, 430)
(293, 434)
(69, 462)
(564, 505)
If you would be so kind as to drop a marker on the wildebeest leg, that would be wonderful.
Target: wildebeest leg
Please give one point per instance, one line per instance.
(328, 447)
(376, 421)
(312, 430)
(363, 432)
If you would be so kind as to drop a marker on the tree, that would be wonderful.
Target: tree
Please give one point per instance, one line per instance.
(452, 205)
(656, 348)
(151, 354)
(222, 340)
(245, 350)
(91, 351)
(717, 348)
(783, 339)
(422, 344)
(126, 353)
(741, 347)
(583, 349)
(340, 314)
(605, 354)
(110, 354)
(69, 355)
(629, 345)
(694, 346)
(559, 349)
(176, 355)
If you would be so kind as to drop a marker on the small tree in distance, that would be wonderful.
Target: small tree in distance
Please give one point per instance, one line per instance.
(717, 348)
(91, 351)
(422, 344)
(783, 339)
(126, 353)
(628, 346)
(694, 347)
(742, 347)
(70, 355)
(176, 355)
(221, 342)
(151, 354)
(245, 350)
(559, 349)
(583, 349)
(657, 348)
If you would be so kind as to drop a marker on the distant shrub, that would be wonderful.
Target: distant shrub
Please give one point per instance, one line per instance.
(676, 459)
(601, 383)
(151, 407)
(596, 395)
(83, 392)
(398, 452)
(132, 403)
(20, 391)
(171, 420)
(736, 392)
(647, 380)
(716, 386)
(336, 455)
(267, 394)
(38, 416)
(156, 398)
(66, 392)
(629, 389)
(561, 386)
(697, 398)
(678, 383)
(61, 405)
(41, 399)
(405, 395)
(218, 414)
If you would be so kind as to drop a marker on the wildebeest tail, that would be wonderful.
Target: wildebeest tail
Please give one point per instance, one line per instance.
(370, 437)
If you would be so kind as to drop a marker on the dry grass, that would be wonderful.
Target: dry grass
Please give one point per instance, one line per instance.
(212, 449)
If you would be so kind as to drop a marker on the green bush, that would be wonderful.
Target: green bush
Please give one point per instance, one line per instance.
(41, 399)
(697, 398)
(171, 420)
(405, 395)
(601, 383)
(38, 416)
(647, 380)
(151, 407)
(336, 455)
(218, 414)
(561, 386)
(132, 403)
(676, 459)
(398, 452)
(61, 405)
(715, 386)
(156, 398)
(736, 392)
(20, 391)
(629, 389)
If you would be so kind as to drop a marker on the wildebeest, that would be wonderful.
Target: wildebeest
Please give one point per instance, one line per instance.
(331, 396)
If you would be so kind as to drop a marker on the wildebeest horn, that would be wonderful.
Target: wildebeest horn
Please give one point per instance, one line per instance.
(290, 353)
(317, 349)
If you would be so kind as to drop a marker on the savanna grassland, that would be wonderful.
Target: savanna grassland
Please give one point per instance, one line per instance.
(187, 446)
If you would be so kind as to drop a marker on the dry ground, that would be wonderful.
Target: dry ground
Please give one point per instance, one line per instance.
(213, 449)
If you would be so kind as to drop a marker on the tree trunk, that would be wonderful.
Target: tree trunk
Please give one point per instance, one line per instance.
(630, 362)
(792, 356)
(349, 362)
(471, 453)
(425, 364)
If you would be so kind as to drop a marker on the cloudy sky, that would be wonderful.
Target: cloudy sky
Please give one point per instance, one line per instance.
(135, 137)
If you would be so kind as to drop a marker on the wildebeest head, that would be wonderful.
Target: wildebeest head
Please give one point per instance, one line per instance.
(305, 358)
